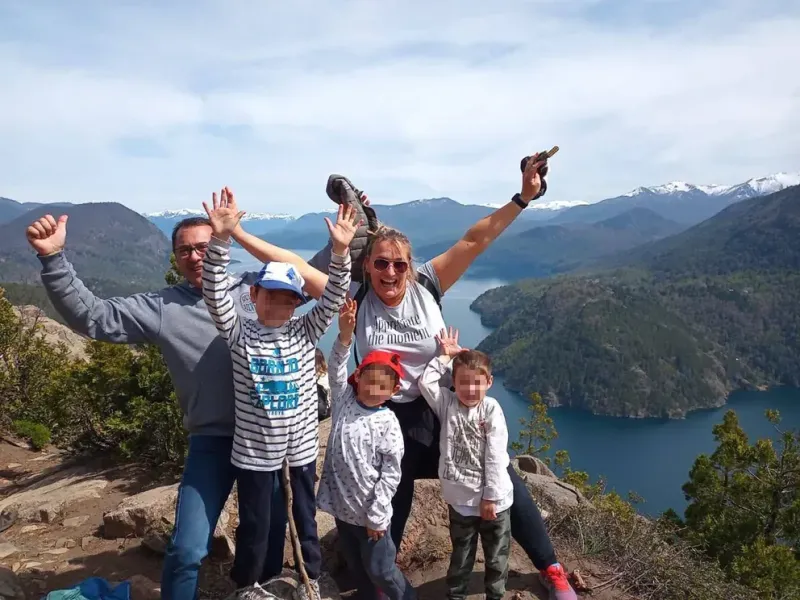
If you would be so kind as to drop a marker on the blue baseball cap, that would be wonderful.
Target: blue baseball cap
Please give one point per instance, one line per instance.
(281, 276)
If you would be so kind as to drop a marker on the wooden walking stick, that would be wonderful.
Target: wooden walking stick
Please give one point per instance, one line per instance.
(298, 553)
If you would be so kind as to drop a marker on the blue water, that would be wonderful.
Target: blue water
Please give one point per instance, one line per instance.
(651, 457)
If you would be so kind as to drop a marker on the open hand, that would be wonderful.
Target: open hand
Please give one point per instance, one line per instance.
(448, 342)
(46, 235)
(488, 510)
(375, 534)
(224, 215)
(343, 231)
(531, 180)
(347, 321)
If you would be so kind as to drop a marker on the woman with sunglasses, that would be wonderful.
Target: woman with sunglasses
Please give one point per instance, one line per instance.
(398, 310)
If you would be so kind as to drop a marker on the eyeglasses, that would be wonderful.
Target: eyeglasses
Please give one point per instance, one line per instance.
(381, 264)
(186, 251)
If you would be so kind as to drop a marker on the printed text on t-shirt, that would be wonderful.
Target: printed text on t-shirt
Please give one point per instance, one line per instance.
(397, 331)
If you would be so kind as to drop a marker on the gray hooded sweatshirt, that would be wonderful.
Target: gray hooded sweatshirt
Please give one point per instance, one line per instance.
(176, 320)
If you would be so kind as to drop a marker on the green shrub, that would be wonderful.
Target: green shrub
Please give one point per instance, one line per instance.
(36, 433)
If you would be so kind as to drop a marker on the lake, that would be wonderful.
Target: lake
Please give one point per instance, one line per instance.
(649, 456)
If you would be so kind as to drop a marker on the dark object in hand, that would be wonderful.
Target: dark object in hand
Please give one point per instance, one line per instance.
(541, 156)
(544, 155)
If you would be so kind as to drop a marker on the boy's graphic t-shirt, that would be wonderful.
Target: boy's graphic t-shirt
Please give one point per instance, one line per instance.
(473, 463)
(274, 376)
(408, 329)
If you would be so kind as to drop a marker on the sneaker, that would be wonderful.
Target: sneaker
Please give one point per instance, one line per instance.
(554, 578)
(342, 191)
(301, 593)
(253, 592)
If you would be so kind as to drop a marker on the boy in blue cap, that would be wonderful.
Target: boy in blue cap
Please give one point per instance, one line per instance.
(274, 385)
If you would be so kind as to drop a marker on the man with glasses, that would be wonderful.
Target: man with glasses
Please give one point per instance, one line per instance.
(176, 320)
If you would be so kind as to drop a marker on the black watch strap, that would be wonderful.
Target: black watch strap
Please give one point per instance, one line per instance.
(517, 199)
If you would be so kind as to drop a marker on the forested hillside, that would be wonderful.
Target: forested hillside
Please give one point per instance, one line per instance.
(677, 326)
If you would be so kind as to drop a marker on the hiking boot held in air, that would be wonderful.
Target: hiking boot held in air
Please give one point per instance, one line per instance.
(342, 191)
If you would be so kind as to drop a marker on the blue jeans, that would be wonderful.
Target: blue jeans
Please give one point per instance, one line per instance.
(208, 477)
(372, 564)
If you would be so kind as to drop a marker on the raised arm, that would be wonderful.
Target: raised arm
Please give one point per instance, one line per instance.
(390, 448)
(340, 353)
(223, 218)
(315, 280)
(453, 263)
(430, 381)
(218, 299)
(132, 319)
(318, 319)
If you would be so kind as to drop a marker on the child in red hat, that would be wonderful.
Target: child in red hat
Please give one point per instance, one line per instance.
(362, 463)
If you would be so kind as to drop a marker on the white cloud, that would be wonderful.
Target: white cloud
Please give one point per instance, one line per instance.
(409, 99)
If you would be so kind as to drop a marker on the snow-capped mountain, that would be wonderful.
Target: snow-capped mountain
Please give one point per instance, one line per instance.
(258, 223)
(760, 186)
(679, 201)
(182, 213)
(426, 219)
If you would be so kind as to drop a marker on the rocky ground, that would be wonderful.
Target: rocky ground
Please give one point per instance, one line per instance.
(78, 519)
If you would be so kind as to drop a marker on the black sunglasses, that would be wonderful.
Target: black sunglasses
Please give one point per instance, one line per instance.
(381, 264)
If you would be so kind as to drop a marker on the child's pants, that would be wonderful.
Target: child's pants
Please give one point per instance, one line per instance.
(255, 489)
(373, 564)
(496, 540)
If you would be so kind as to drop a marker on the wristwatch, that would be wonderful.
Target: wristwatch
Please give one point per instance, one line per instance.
(517, 199)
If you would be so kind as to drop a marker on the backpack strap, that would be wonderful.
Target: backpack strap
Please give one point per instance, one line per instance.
(422, 279)
(426, 282)
(359, 298)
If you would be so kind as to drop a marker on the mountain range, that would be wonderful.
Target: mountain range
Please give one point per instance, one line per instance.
(672, 326)
(435, 223)
(114, 249)
(550, 237)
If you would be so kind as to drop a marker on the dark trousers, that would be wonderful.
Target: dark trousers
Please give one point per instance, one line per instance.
(421, 460)
(496, 541)
(255, 508)
(208, 477)
(373, 564)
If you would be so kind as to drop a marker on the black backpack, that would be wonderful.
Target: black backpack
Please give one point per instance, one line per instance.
(422, 279)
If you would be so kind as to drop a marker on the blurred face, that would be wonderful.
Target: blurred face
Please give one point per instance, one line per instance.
(376, 384)
(387, 267)
(190, 248)
(273, 307)
(471, 385)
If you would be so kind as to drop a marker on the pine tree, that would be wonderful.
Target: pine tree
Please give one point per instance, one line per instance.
(744, 507)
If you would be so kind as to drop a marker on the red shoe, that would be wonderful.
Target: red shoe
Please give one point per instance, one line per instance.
(554, 578)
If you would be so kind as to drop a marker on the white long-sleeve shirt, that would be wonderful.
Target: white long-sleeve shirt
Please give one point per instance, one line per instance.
(362, 463)
(473, 463)
(274, 378)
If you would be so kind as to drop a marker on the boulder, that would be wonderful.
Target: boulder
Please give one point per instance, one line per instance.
(7, 550)
(153, 510)
(53, 331)
(553, 494)
(10, 589)
(46, 499)
(531, 464)
(427, 535)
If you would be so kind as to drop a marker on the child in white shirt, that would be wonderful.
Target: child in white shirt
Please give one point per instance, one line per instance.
(362, 464)
(473, 466)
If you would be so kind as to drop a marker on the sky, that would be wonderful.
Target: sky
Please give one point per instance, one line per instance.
(156, 105)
